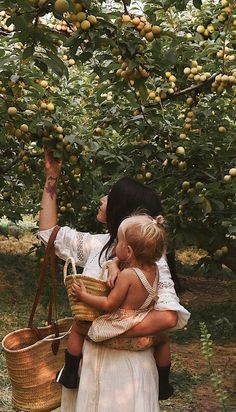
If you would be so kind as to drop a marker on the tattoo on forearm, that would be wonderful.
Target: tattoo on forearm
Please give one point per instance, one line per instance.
(51, 188)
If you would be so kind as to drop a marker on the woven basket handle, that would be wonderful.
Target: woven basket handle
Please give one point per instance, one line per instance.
(48, 252)
(71, 261)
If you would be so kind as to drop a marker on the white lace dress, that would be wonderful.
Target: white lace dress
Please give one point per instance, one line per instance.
(113, 380)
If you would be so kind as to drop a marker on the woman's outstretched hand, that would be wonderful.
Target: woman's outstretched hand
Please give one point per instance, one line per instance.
(52, 166)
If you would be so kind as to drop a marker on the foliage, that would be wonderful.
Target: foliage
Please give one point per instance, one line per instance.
(216, 379)
(142, 89)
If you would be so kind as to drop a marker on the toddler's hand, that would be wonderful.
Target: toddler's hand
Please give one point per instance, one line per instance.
(77, 290)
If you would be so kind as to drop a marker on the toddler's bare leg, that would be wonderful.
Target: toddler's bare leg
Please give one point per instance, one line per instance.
(75, 341)
(162, 352)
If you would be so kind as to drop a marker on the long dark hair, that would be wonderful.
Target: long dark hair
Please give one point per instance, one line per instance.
(126, 196)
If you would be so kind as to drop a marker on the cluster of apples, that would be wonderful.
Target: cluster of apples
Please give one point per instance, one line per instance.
(226, 9)
(78, 17)
(195, 72)
(179, 162)
(160, 94)
(222, 81)
(42, 82)
(2, 87)
(46, 105)
(205, 31)
(130, 73)
(227, 54)
(3, 22)
(146, 29)
(188, 118)
(231, 174)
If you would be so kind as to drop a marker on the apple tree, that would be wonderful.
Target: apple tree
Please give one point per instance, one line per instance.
(146, 89)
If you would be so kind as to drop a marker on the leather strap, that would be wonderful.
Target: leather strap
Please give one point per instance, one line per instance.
(48, 253)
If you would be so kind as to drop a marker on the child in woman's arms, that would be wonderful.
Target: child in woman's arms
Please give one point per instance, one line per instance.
(141, 243)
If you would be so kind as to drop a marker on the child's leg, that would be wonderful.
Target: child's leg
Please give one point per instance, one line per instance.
(68, 375)
(162, 357)
(75, 341)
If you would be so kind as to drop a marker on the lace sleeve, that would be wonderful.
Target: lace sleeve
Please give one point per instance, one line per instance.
(69, 243)
(167, 298)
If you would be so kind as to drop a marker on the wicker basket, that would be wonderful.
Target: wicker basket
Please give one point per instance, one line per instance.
(32, 366)
(81, 311)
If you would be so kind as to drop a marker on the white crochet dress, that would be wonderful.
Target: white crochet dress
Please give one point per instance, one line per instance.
(117, 322)
(113, 380)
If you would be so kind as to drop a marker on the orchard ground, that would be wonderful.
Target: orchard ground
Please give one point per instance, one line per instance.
(210, 300)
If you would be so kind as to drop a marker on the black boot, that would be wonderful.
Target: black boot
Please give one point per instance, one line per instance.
(165, 389)
(68, 375)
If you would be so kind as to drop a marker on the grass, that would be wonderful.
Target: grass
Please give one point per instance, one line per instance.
(220, 320)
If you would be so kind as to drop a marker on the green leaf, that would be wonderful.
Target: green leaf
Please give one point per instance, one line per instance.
(85, 56)
(171, 57)
(197, 4)
(28, 52)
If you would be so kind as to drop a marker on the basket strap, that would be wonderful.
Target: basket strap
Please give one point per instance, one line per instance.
(55, 343)
(49, 250)
(53, 302)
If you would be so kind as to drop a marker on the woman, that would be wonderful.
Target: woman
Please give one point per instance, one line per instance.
(112, 379)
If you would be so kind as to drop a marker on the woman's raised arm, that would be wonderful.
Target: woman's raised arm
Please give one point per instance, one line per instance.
(48, 207)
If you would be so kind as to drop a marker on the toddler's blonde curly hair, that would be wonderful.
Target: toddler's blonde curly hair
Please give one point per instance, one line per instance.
(146, 236)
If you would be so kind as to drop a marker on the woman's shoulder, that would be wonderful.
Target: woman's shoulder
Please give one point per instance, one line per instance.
(99, 239)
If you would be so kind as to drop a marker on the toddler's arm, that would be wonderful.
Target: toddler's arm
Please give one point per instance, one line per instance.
(107, 303)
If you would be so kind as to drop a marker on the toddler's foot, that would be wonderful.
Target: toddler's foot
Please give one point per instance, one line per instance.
(165, 392)
(67, 379)
(68, 375)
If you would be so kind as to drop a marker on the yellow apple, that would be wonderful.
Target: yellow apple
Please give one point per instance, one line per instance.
(200, 29)
(24, 128)
(81, 16)
(180, 151)
(232, 171)
(61, 6)
(126, 18)
(221, 129)
(227, 178)
(156, 30)
(71, 61)
(85, 25)
(50, 107)
(12, 110)
(92, 19)
(185, 185)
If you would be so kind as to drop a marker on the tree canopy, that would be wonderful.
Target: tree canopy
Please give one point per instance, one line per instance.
(145, 89)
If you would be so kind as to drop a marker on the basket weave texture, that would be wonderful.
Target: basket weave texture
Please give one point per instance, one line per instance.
(32, 367)
(132, 344)
(80, 310)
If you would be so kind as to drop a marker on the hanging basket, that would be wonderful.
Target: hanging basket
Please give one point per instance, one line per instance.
(81, 311)
(34, 355)
(32, 366)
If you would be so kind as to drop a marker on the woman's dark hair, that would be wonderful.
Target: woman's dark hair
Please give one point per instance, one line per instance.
(126, 196)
